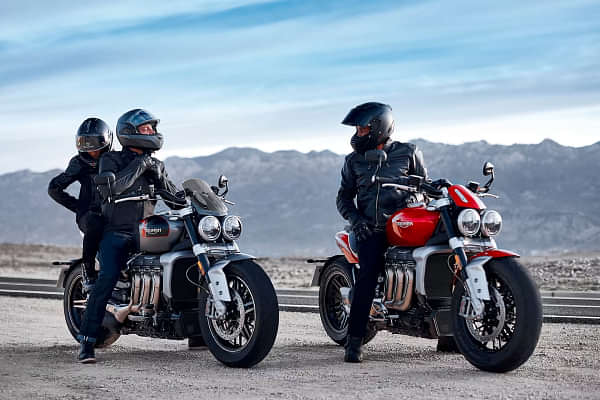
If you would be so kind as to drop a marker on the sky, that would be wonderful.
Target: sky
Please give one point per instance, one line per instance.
(280, 75)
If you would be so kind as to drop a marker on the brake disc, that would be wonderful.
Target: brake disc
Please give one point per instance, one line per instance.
(494, 310)
(226, 328)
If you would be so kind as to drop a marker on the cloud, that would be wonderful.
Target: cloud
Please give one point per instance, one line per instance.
(267, 73)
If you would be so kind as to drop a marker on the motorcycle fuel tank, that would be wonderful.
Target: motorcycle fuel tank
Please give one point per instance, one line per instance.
(411, 227)
(157, 234)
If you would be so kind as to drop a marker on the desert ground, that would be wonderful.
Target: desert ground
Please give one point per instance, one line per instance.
(37, 360)
(573, 271)
(37, 353)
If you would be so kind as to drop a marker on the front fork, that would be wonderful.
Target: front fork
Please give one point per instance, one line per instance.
(214, 275)
(471, 273)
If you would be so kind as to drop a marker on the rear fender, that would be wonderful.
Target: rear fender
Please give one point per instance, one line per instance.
(320, 268)
(342, 239)
(66, 270)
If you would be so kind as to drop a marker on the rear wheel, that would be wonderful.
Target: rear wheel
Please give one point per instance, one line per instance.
(74, 303)
(334, 316)
(247, 333)
(507, 334)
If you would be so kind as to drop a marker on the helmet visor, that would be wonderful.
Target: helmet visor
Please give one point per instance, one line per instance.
(91, 143)
(143, 117)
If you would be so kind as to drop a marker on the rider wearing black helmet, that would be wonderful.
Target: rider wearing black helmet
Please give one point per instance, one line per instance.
(135, 170)
(374, 124)
(93, 138)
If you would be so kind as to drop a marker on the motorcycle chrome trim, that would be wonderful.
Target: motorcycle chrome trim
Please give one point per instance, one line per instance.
(218, 282)
(399, 288)
(438, 203)
(168, 260)
(455, 243)
(477, 284)
(421, 255)
(216, 249)
(476, 244)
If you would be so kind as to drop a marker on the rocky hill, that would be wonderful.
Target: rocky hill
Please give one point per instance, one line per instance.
(548, 196)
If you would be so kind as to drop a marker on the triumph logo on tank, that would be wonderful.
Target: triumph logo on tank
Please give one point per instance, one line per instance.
(402, 224)
(156, 227)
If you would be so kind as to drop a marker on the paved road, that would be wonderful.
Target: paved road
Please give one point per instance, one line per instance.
(37, 361)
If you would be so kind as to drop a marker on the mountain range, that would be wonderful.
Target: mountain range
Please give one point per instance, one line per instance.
(549, 196)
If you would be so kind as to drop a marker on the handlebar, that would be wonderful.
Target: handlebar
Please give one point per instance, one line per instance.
(165, 195)
(411, 183)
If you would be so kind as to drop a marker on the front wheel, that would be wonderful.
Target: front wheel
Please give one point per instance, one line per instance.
(507, 334)
(247, 332)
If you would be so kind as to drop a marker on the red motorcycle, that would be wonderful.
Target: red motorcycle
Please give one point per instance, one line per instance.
(443, 277)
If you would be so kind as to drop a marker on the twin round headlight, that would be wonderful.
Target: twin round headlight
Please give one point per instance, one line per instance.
(469, 222)
(209, 228)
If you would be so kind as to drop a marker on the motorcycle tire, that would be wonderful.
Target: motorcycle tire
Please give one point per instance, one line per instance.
(74, 313)
(508, 333)
(333, 316)
(248, 332)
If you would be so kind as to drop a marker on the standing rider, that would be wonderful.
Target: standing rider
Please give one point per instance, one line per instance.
(374, 124)
(135, 170)
(93, 138)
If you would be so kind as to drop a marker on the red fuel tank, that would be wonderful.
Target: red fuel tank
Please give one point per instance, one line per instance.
(411, 227)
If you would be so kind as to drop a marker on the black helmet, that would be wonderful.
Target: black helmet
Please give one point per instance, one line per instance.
(129, 136)
(378, 117)
(93, 135)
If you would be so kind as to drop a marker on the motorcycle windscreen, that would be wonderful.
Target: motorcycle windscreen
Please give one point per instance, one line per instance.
(204, 198)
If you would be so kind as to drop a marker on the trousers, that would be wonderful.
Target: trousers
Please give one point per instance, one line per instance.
(92, 226)
(114, 249)
(371, 254)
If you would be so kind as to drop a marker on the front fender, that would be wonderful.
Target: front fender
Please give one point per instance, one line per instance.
(495, 253)
(476, 282)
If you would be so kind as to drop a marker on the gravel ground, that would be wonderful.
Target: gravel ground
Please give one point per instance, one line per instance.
(37, 360)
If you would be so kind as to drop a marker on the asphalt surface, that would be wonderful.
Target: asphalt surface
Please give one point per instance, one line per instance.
(37, 360)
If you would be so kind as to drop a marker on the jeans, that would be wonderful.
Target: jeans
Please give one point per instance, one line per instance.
(114, 249)
(371, 254)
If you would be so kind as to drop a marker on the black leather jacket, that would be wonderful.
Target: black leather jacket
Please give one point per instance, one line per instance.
(376, 204)
(132, 178)
(89, 198)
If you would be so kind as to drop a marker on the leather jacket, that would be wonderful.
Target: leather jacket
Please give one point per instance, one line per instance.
(133, 177)
(375, 204)
(82, 172)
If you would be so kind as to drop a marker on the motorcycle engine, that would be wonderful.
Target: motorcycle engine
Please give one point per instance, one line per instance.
(398, 278)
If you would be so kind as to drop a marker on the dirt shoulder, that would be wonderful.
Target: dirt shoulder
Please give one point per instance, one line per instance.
(37, 360)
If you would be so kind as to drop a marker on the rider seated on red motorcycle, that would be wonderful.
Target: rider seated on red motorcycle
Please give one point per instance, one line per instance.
(135, 170)
(93, 139)
(374, 124)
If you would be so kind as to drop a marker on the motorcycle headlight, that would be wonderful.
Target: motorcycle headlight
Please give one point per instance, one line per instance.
(491, 223)
(469, 222)
(209, 228)
(232, 227)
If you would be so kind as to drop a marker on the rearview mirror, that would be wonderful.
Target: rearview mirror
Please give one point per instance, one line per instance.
(488, 168)
(223, 181)
(376, 155)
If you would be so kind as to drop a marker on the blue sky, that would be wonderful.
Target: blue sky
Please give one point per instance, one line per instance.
(282, 74)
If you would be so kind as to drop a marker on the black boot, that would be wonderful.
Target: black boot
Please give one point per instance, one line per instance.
(86, 351)
(353, 349)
